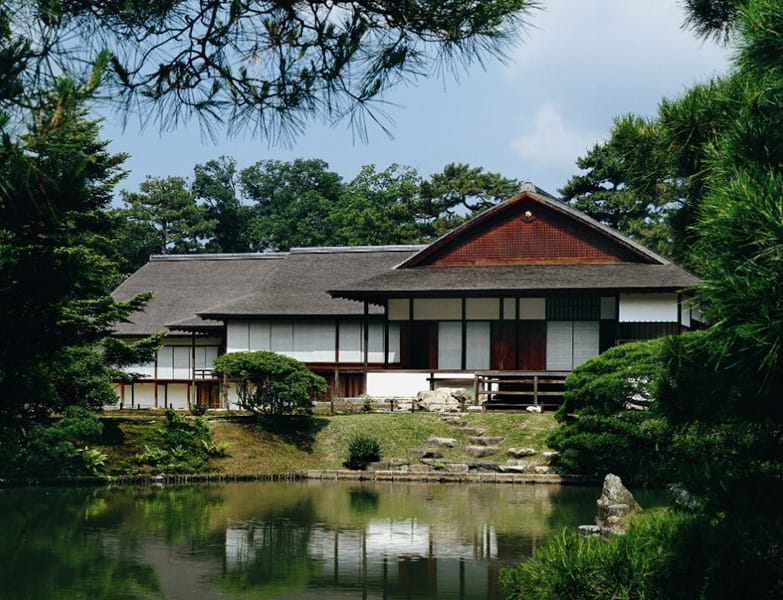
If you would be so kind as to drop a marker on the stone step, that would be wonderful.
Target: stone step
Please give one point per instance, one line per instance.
(480, 440)
(521, 452)
(439, 441)
(473, 431)
(480, 451)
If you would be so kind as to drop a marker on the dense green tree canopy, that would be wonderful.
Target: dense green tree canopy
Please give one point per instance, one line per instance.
(166, 214)
(58, 264)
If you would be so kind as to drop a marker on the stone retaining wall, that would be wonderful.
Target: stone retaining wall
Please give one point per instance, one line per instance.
(443, 477)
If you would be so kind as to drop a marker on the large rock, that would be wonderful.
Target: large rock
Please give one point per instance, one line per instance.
(480, 440)
(441, 400)
(480, 451)
(520, 452)
(615, 505)
(439, 441)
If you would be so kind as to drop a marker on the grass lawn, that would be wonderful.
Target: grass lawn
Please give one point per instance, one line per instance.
(296, 443)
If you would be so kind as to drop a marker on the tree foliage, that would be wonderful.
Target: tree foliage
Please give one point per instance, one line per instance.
(609, 418)
(271, 383)
(167, 217)
(268, 65)
(58, 262)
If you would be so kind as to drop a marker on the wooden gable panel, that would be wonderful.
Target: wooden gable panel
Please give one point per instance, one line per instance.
(530, 233)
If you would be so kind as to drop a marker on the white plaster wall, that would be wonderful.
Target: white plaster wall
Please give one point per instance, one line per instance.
(434, 309)
(532, 308)
(648, 308)
(482, 309)
(396, 385)
(399, 309)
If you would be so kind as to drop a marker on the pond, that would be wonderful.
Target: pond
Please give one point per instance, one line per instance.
(308, 539)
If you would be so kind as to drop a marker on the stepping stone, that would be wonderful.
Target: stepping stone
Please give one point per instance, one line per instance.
(473, 409)
(473, 431)
(521, 452)
(457, 421)
(479, 440)
(425, 452)
(541, 469)
(550, 457)
(435, 461)
(398, 462)
(484, 465)
(480, 451)
(526, 464)
(438, 441)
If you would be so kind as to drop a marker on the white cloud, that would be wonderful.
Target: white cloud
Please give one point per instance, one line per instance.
(549, 141)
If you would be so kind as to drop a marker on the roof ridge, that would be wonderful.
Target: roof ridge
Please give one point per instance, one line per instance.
(217, 256)
(347, 249)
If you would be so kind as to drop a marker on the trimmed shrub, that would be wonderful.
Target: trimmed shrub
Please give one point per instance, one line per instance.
(610, 421)
(271, 383)
(362, 450)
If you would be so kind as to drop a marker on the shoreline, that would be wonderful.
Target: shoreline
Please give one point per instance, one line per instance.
(312, 474)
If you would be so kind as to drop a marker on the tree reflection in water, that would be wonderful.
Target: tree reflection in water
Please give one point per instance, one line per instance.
(276, 540)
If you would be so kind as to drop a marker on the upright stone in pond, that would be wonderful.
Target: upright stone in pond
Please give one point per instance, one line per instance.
(614, 505)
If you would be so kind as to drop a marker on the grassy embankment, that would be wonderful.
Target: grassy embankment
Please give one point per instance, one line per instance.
(320, 442)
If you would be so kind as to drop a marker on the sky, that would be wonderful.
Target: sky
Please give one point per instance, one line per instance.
(580, 63)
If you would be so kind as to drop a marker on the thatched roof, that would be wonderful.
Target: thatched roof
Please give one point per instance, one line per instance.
(299, 284)
(519, 280)
(182, 285)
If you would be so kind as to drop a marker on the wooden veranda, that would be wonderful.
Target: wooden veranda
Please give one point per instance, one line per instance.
(508, 390)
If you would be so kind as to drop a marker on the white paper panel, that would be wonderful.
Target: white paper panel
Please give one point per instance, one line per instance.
(181, 362)
(375, 340)
(314, 341)
(259, 336)
(449, 345)
(237, 336)
(477, 345)
(165, 363)
(394, 343)
(559, 345)
(586, 336)
(351, 342)
(282, 337)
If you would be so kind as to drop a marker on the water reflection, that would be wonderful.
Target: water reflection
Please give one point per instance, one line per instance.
(276, 540)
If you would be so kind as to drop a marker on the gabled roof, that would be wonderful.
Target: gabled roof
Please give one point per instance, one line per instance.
(299, 284)
(533, 222)
(524, 216)
(182, 285)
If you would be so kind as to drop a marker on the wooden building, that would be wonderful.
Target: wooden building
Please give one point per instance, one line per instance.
(530, 286)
